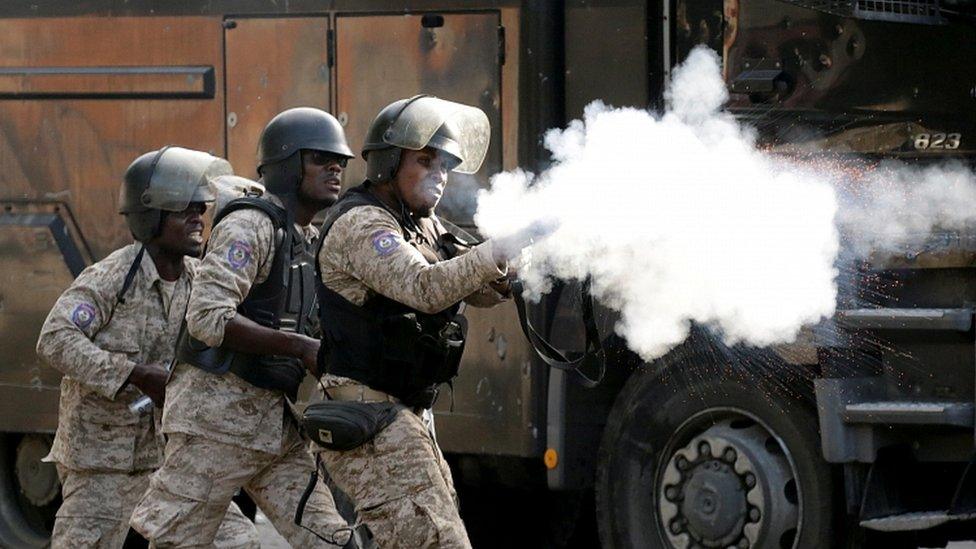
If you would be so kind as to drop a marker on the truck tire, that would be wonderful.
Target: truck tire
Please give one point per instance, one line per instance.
(26, 512)
(702, 454)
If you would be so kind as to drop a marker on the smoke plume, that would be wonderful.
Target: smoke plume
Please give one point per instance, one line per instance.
(676, 218)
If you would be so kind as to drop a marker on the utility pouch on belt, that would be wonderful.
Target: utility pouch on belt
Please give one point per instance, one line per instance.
(344, 425)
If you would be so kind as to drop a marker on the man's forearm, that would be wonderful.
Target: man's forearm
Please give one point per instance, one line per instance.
(244, 335)
(74, 355)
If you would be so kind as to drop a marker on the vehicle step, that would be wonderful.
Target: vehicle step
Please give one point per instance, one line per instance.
(913, 521)
(958, 414)
(960, 320)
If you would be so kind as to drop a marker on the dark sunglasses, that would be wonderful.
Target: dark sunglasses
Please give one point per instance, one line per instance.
(194, 208)
(324, 158)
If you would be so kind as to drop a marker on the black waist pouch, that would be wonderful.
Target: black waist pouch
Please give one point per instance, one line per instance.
(344, 425)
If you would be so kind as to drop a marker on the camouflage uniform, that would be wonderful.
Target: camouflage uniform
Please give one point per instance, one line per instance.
(105, 452)
(400, 483)
(225, 433)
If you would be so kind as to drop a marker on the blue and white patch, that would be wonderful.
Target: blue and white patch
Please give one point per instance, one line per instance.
(384, 242)
(83, 315)
(239, 254)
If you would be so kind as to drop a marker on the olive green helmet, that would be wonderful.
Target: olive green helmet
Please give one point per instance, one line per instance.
(169, 180)
(461, 131)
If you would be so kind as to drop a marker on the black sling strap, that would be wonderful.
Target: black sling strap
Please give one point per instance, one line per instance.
(130, 276)
(309, 489)
(570, 361)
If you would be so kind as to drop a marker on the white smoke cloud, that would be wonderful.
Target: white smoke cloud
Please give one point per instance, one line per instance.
(676, 218)
(896, 207)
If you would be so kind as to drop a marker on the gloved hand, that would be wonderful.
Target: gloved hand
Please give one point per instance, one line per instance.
(506, 248)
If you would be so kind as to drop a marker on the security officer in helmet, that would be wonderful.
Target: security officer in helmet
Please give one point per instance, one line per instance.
(112, 333)
(393, 280)
(228, 419)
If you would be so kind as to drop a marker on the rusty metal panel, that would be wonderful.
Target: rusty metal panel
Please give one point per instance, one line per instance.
(106, 82)
(77, 149)
(498, 393)
(611, 41)
(107, 90)
(457, 60)
(267, 74)
(509, 133)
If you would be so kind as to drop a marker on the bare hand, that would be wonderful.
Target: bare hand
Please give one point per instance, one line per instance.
(151, 380)
(309, 353)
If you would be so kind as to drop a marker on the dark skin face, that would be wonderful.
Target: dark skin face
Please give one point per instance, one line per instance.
(181, 234)
(320, 185)
(420, 179)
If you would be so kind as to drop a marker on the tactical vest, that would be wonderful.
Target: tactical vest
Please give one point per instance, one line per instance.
(285, 301)
(385, 344)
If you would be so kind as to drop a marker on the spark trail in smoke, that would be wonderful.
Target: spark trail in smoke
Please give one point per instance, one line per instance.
(676, 218)
(896, 207)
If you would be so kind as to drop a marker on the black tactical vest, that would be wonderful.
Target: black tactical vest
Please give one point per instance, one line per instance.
(285, 301)
(385, 344)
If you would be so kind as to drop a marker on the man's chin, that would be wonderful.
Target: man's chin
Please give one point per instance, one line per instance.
(320, 202)
(427, 209)
(194, 250)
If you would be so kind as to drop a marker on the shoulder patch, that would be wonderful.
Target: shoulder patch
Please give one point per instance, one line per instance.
(384, 242)
(239, 254)
(83, 315)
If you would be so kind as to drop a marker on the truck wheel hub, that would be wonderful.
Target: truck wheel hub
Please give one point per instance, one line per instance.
(728, 486)
(714, 502)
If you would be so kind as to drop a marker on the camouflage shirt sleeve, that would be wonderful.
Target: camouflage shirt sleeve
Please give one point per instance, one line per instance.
(485, 296)
(374, 251)
(238, 256)
(66, 337)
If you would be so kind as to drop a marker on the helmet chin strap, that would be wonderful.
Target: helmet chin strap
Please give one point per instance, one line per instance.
(405, 213)
(290, 199)
(290, 196)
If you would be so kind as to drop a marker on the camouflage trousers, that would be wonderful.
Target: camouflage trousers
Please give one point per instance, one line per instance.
(199, 477)
(401, 486)
(97, 506)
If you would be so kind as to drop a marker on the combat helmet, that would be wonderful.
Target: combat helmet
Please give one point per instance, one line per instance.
(286, 135)
(166, 180)
(462, 131)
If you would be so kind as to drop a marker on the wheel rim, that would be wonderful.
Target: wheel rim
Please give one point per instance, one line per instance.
(22, 524)
(38, 480)
(728, 481)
